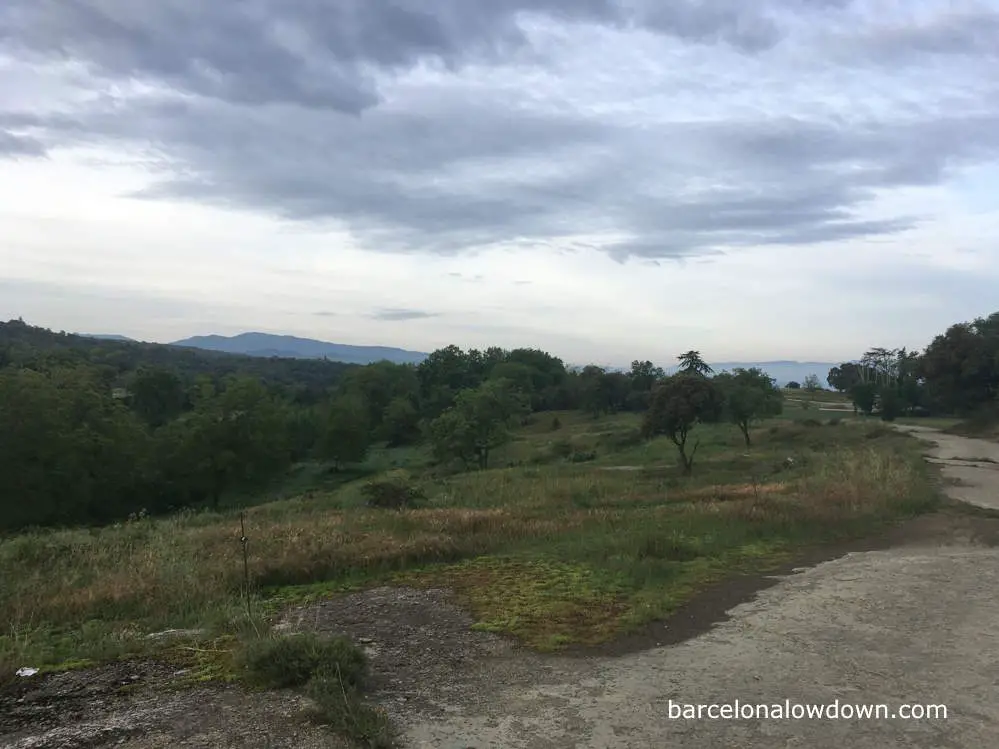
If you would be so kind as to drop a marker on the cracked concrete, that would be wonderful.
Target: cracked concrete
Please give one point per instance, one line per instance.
(918, 623)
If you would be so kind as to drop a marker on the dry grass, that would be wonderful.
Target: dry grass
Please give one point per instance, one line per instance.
(552, 554)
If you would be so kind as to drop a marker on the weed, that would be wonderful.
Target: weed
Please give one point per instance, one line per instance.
(561, 448)
(392, 493)
(332, 672)
(285, 662)
(338, 705)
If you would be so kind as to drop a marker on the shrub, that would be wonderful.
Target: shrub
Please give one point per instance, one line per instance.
(835, 421)
(561, 448)
(338, 706)
(286, 662)
(333, 672)
(392, 493)
(811, 423)
(556, 423)
(582, 457)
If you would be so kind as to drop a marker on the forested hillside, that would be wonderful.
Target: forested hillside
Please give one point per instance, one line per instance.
(94, 430)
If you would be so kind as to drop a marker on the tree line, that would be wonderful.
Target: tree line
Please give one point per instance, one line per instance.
(956, 374)
(92, 431)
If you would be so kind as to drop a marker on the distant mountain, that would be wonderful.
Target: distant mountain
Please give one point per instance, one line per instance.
(107, 337)
(291, 347)
(782, 371)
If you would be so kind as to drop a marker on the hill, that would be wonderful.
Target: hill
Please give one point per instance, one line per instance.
(22, 344)
(292, 347)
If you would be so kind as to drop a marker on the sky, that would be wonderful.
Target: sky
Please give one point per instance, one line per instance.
(603, 179)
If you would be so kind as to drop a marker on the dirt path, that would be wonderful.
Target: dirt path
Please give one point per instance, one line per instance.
(972, 465)
(917, 623)
(913, 618)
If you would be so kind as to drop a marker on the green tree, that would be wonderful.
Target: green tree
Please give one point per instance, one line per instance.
(889, 403)
(691, 363)
(157, 395)
(344, 431)
(401, 422)
(750, 395)
(478, 423)
(235, 438)
(864, 396)
(812, 383)
(961, 366)
(678, 404)
(379, 384)
(844, 377)
(69, 453)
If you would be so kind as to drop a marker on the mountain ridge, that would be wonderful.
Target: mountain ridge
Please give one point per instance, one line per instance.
(267, 345)
(294, 347)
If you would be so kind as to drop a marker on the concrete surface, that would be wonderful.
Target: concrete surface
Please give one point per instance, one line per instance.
(913, 624)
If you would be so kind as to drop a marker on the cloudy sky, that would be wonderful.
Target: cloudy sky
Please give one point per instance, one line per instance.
(606, 179)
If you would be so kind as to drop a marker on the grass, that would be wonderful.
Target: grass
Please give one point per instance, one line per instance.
(331, 671)
(541, 548)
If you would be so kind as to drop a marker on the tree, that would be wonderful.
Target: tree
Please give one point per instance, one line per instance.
(793, 385)
(69, 453)
(235, 438)
(344, 432)
(157, 395)
(401, 422)
(478, 423)
(889, 404)
(844, 377)
(678, 404)
(961, 367)
(378, 384)
(691, 363)
(864, 396)
(750, 395)
(812, 383)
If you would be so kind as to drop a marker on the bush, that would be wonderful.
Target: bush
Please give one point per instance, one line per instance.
(556, 423)
(561, 448)
(392, 493)
(811, 423)
(338, 706)
(333, 672)
(835, 421)
(286, 662)
(582, 457)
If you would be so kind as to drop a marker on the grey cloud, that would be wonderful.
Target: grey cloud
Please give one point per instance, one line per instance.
(742, 24)
(400, 313)
(326, 313)
(12, 145)
(970, 31)
(321, 54)
(309, 52)
(441, 170)
(404, 187)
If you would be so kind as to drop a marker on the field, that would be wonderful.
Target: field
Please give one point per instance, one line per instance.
(581, 532)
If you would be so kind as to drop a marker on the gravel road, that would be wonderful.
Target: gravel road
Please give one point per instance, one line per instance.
(917, 623)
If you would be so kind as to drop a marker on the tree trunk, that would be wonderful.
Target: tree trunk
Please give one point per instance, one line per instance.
(745, 433)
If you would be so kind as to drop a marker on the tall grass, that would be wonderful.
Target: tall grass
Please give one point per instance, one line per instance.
(552, 553)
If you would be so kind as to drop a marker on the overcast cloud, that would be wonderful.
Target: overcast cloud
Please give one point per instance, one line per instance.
(715, 174)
